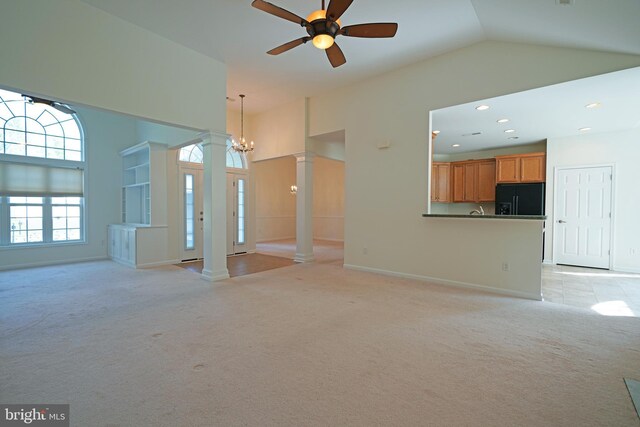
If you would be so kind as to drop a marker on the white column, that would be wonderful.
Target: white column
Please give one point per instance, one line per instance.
(215, 206)
(304, 207)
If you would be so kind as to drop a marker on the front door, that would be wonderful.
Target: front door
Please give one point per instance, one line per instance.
(582, 228)
(236, 213)
(192, 213)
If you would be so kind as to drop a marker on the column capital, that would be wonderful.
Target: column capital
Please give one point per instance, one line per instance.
(305, 156)
(214, 138)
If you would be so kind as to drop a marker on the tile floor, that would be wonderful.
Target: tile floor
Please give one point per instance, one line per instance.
(606, 292)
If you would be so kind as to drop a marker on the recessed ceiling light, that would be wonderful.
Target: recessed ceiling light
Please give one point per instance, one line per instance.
(513, 137)
(593, 105)
(482, 107)
(509, 131)
(584, 129)
(503, 120)
(435, 132)
(456, 145)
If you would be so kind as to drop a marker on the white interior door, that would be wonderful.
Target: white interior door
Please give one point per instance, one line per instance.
(582, 228)
(236, 213)
(192, 213)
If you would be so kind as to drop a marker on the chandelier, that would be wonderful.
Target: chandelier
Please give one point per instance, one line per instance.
(242, 146)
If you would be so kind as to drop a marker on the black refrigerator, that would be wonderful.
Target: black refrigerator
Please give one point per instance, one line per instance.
(520, 199)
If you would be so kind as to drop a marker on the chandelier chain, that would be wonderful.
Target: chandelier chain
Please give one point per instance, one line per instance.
(242, 146)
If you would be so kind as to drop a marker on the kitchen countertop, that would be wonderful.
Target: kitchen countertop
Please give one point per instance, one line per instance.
(467, 216)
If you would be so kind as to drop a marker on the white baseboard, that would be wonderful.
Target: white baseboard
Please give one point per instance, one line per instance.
(215, 276)
(626, 269)
(328, 239)
(123, 262)
(446, 282)
(48, 263)
(304, 258)
(275, 239)
(547, 262)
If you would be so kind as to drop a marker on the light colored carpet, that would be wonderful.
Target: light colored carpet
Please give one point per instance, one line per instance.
(324, 251)
(306, 345)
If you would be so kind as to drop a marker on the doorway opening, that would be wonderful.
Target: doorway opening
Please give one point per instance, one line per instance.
(583, 216)
(276, 204)
(190, 203)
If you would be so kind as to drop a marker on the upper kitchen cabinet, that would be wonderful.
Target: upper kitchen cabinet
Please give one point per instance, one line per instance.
(487, 180)
(440, 188)
(530, 167)
(473, 181)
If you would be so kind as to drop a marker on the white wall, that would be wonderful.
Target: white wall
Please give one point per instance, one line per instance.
(386, 190)
(328, 199)
(622, 150)
(105, 135)
(328, 149)
(275, 205)
(279, 132)
(168, 135)
(70, 51)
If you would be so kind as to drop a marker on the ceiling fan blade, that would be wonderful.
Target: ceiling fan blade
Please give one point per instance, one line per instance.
(55, 104)
(335, 55)
(278, 11)
(62, 108)
(336, 8)
(285, 47)
(370, 30)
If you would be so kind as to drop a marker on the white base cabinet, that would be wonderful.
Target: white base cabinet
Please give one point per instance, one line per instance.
(122, 244)
(139, 246)
(142, 240)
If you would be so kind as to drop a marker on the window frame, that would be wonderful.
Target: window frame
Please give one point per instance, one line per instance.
(47, 199)
(47, 224)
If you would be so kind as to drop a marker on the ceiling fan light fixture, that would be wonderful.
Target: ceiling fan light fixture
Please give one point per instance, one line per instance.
(320, 14)
(323, 26)
(323, 41)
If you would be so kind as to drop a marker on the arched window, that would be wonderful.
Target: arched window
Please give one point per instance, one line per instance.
(194, 154)
(42, 169)
(37, 130)
(234, 159)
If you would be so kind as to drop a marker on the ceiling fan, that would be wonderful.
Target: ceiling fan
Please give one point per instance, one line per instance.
(323, 26)
(55, 104)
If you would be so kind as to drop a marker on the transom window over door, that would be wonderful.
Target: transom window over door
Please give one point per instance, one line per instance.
(42, 174)
(195, 154)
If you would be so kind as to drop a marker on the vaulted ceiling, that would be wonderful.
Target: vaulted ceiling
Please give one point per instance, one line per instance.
(239, 35)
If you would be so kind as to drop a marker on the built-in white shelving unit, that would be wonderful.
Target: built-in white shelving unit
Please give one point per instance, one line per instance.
(142, 238)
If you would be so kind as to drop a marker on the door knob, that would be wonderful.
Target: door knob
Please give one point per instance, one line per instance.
(561, 221)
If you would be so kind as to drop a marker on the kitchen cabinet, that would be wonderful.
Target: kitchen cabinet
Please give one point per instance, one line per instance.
(473, 181)
(457, 182)
(486, 180)
(530, 167)
(440, 180)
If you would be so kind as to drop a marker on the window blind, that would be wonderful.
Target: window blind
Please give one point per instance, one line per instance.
(18, 179)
